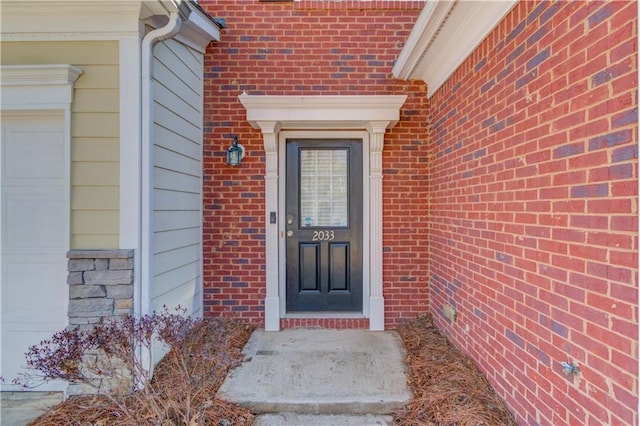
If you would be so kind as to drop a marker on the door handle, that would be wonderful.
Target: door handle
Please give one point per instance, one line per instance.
(289, 234)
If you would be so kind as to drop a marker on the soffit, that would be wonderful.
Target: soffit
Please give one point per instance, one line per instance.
(444, 35)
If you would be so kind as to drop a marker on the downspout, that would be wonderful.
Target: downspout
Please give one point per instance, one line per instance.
(143, 289)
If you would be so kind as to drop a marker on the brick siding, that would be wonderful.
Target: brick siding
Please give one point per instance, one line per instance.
(510, 195)
(533, 214)
(308, 48)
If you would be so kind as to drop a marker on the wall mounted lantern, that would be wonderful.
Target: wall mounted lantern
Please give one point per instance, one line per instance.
(235, 153)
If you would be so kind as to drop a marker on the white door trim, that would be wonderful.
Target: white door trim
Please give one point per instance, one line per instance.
(328, 135)
(371, 116)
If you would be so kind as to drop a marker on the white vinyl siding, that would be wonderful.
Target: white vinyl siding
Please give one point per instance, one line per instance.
(177, 178)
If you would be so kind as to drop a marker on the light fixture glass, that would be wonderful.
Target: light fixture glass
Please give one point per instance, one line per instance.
(235, 153)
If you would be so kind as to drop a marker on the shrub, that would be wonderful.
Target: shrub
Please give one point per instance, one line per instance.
(113, 356)
(184, 384)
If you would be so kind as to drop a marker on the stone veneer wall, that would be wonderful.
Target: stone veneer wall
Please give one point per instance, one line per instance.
(100, 285)
(100, 289)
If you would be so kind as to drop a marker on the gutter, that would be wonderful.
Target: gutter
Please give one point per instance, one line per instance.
(143, 296)
(142, 288)
(184, 18)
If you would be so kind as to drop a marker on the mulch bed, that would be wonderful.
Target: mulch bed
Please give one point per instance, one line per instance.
(178, 398)
(448, 388)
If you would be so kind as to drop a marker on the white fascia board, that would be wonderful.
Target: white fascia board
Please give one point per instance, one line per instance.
(444, 35)
(68, 19)
(198, 30)
(311, 111)
(424, 31)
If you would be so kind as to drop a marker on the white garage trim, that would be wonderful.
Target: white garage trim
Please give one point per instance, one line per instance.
(42, 88)
(37, 87)
(36, 92)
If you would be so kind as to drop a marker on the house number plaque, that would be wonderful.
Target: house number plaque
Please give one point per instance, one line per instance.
(323, 235)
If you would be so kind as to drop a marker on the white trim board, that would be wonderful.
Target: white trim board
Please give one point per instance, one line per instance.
(32, 87)
(64, 20)
(321, 135)
(444, 35)
(43, 90)
(367, 117)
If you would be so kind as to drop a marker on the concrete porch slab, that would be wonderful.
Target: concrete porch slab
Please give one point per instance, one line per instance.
(317, 371)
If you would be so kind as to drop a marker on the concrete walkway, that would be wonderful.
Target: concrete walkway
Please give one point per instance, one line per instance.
(19, 408)
(320, 377)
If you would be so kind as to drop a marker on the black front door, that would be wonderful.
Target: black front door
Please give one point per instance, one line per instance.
(324, 225)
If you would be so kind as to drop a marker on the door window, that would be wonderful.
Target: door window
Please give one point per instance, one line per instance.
(324, 187)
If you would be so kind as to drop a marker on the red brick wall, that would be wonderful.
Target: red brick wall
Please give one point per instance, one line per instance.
(308, 48)
(533, 214)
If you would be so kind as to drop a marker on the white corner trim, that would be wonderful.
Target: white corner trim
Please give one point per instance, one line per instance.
(37, 86)
(444, 35)
(278, 117)
(130, 213)
(130, 130)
